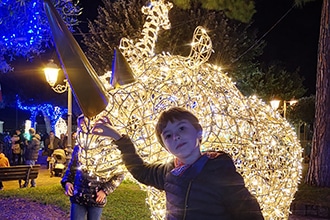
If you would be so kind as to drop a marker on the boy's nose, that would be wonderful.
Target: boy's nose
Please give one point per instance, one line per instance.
(177, 137)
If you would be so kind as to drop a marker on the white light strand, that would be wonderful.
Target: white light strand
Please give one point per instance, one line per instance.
(263, 145)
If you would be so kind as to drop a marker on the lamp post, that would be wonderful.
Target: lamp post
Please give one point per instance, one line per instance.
(51, 73)
(276, 103)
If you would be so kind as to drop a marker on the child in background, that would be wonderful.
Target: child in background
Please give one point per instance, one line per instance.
(87, 193)
(4, 162)
(197, 185)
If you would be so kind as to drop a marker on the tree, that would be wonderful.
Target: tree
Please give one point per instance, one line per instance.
(115, 20)
(25, 31)
(271, 82)
(303, 111)
(319, 165)
(241, 10)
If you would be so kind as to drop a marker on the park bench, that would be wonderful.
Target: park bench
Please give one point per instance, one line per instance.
(20, 172)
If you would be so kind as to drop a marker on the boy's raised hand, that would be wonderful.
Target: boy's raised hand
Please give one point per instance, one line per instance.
(103, 128)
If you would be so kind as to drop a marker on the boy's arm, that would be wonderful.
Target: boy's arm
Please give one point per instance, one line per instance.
(148, 174)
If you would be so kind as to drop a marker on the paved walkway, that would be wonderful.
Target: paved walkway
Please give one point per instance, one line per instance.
(42, 180)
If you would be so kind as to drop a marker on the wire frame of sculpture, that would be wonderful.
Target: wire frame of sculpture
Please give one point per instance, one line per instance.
(263, 145)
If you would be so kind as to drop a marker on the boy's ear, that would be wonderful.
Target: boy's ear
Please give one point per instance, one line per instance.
(200, 135)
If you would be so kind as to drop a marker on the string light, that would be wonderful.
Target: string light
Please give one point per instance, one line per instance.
(54, 113)
(263, 145)
(60, 127)
(25, 30)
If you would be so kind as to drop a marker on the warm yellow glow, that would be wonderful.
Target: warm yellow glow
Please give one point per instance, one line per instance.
(263, 144)
(51, 72)
(275, 104)
(292, 102)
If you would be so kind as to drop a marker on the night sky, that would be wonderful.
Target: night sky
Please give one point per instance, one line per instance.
(294, 40)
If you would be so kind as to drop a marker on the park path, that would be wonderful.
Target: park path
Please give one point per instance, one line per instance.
(42, 180)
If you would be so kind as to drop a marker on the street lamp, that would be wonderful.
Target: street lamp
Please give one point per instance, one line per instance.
(276, 103)
(51, 72)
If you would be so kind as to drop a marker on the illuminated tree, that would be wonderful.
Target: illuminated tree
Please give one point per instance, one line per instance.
(51, 113)
(24, 28)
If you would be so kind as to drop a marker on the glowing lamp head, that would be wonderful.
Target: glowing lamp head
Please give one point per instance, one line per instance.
(292, 102)
(51, 71)
(275, 104)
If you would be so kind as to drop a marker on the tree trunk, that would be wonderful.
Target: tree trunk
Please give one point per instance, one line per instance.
(319, 165)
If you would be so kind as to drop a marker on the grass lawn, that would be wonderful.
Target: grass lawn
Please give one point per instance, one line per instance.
(127, 202)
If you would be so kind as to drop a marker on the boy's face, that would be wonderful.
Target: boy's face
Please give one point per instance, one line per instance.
(182, 139)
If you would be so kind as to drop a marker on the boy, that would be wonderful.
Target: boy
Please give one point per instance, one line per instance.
(197, 185)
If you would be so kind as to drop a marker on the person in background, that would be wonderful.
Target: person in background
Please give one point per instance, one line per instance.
(4, 162)
(16, 149)
(87, 193)
(31, 152)
(51, 143)
(74, 138)
(22, 144)
(198, 185)
(64, 141)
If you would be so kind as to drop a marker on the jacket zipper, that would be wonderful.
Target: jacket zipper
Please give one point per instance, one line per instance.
(186, 200)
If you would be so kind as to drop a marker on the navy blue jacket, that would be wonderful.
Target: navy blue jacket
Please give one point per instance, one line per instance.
(209, 189)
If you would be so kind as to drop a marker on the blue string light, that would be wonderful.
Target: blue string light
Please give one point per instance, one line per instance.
(53, 112)
(25, 31)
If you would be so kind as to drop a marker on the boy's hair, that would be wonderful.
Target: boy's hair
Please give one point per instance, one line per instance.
(175, 114)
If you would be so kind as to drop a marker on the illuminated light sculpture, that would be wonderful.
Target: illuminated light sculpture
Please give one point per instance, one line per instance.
(61, 127)
(27, 126)
(263, 145)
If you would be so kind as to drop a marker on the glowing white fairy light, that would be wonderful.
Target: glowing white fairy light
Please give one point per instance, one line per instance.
(60, 127)
(263, 145)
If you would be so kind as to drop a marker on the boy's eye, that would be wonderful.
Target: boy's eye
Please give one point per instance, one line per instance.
(167, 136)
(181, 128)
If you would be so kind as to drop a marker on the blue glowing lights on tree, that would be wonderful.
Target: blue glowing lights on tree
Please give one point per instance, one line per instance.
(25, 30)
(51, 113)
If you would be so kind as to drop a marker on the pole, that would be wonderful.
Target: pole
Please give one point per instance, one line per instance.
(69, 144)
(284, 109)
